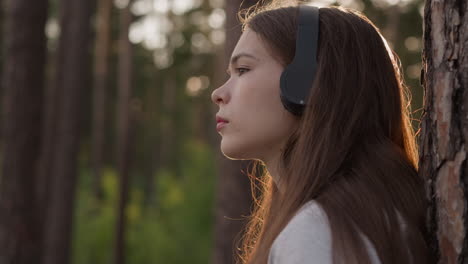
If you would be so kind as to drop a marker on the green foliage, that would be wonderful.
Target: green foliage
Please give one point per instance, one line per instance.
(177, 229)
(94, 221)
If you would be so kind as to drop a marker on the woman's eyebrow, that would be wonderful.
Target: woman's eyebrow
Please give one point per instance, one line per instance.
(236, 57)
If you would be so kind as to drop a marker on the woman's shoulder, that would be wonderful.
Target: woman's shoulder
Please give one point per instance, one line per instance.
(306, 238)
(310, 219)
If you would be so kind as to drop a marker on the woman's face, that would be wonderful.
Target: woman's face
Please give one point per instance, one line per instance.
(258, 125)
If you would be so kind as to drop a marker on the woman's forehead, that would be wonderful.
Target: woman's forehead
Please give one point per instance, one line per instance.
(251, 43)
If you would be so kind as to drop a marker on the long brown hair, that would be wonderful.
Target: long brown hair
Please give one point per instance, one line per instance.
(354, 151)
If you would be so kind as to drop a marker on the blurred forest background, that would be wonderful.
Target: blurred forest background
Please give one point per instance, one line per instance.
(108, 150)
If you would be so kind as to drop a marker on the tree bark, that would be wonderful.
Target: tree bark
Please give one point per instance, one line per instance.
(72, 76)
(101, 72)
(124, 130)
(445, 127)
(233, 197)
(23, 86)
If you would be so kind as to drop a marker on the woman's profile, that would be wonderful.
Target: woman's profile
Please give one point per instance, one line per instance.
(341, 182)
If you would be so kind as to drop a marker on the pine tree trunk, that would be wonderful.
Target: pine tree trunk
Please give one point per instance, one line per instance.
(23, 86)
(445, 127)
(233, 197)
(124, 130)
(72, 77)
(101, 72)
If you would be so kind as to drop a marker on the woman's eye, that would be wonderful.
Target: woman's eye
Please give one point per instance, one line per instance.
(242, 70)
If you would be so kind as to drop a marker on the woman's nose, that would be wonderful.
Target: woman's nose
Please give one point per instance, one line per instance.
(214, 96)
(218, 96)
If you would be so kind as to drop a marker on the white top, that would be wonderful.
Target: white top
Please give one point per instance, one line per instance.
(306, 239)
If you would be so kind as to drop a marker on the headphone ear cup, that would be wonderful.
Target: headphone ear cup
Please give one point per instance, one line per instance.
(297, 78)
(289, 103)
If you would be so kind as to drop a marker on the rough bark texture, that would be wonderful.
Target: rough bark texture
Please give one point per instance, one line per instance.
(445, 127)
(23, 76)
(233, 197)
(101, 72)
(72, 77)
(124, 131)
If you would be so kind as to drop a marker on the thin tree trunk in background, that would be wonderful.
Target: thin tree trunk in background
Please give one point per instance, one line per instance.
(233, 197)
(72, 77)
(445, 127)
(124, 130)
(153, 136)
(23, 86)
(48, 129)
(2, 15)
(101, 73)
(167, 124)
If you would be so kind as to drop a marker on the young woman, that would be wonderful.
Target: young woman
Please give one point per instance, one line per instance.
(341, 182)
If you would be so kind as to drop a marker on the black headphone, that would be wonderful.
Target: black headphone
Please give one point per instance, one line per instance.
(297, 78)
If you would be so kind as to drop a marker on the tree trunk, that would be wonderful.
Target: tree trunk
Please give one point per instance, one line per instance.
(168, 124)
(101, 70)
(233, 197)
(153, 160)
(124, 130)
(72, 77)
(48, 132)
(2, 58)
(445, 127)
(23, 86)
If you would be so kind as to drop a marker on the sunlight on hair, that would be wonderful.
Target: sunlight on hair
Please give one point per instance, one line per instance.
(388, 47)
(320, 3)
(354, 4)
(196, 84)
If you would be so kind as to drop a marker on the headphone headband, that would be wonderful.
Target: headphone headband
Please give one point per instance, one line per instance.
(297, 78)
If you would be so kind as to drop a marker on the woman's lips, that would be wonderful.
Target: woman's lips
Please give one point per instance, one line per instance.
(220, 122)
(220, 125)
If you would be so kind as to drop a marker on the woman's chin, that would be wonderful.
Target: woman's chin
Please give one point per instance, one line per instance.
(232, 151)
